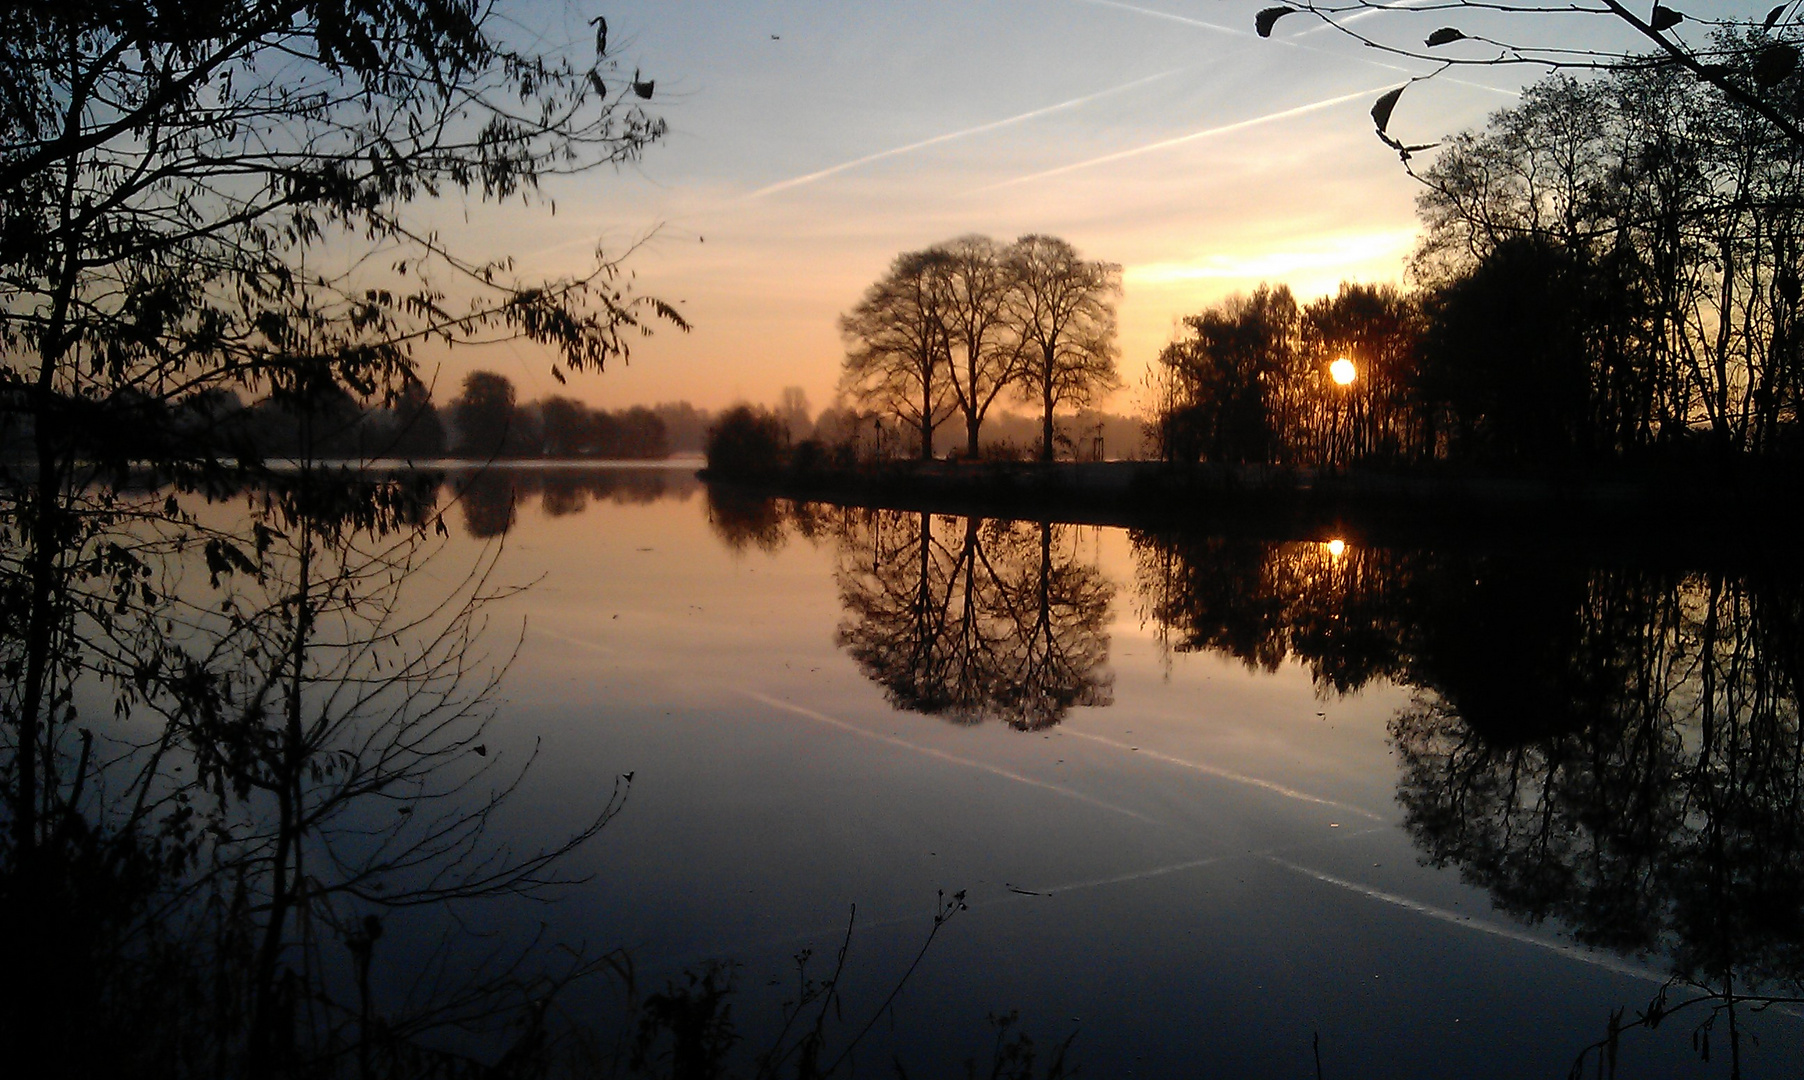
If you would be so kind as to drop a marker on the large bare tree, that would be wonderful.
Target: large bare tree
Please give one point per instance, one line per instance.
(985, 351)
(896, 354)
(1063, 310)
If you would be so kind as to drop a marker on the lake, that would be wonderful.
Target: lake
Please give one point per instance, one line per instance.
(1216, 804)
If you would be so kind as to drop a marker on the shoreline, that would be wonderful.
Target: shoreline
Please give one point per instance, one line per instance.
(1690, 510)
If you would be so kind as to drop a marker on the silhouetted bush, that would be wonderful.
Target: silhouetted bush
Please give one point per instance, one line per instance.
(745, 442)
(808, 455)
(1003, 450)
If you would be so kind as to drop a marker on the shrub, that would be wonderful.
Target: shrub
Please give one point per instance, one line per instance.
(808, 455)
(746, 442)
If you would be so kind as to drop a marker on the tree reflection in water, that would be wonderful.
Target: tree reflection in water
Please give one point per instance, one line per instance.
(970, 619)
(1616, 749)
(259, 853)
(491, 496)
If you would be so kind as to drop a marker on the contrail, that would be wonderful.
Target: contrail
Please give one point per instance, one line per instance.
(1291, 41)
(1192, 864)
(1225, 774)
(1008, 121)
(1224, 129)
(593, 646)
(1236, 31)
(1585, 956)
(792, 938)
(981, 766)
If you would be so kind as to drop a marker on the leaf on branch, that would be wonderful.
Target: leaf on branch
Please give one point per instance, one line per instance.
(558, 374)
(1665, 18)
(601, 88)
(1773, 16)
(600, 23)
(1381, 110)
(1775, 64)
(1263, 21)
(1444, 36)
(642, 87)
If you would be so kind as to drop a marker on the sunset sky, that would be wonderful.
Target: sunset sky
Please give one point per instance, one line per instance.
(810, 143)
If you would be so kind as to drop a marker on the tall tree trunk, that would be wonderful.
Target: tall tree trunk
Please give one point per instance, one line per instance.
(927, 416)
(1046, 412)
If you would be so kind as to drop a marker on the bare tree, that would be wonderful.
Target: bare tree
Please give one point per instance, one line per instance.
(1063, 311)
(896, 356)
(985, 353)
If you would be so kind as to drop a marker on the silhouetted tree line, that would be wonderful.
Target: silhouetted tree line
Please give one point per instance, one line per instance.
(484, 421)
(1610, 270)
(951, 329)
(747, 440)
(1616, 748)
(489, 422)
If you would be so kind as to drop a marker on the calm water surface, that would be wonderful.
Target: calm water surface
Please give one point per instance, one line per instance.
(1208, 799)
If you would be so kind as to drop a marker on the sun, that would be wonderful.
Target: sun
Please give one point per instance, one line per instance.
(1342, 371)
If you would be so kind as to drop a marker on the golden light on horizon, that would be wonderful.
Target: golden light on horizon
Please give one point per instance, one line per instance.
(1337, 547)
(1342, 371)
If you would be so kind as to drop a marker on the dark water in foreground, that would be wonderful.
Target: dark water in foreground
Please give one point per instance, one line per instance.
(1209, 799)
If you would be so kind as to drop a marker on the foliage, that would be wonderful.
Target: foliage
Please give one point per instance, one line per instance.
(491, 424)
(1226, 381)
(207, 714)
(1678, 223)
(1505, 356)
(1609, 270)
(488, 424)
(747, 441)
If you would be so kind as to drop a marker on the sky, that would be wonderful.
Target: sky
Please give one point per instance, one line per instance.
(809, 144)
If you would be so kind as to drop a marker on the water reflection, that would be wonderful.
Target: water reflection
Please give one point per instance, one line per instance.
(964, 618)
(970, 620)
(1614, 748)
(491, 496)
(244, 775)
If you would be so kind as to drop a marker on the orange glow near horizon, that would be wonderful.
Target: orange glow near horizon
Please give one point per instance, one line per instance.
(799, 166)
(1343, 372)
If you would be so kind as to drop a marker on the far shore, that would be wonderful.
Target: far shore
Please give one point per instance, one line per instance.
(1692, 508)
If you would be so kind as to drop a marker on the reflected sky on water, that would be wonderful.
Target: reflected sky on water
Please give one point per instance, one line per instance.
(1209, 797)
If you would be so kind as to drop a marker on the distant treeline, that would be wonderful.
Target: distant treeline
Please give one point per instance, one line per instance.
(1609, 271)
(485, 420)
